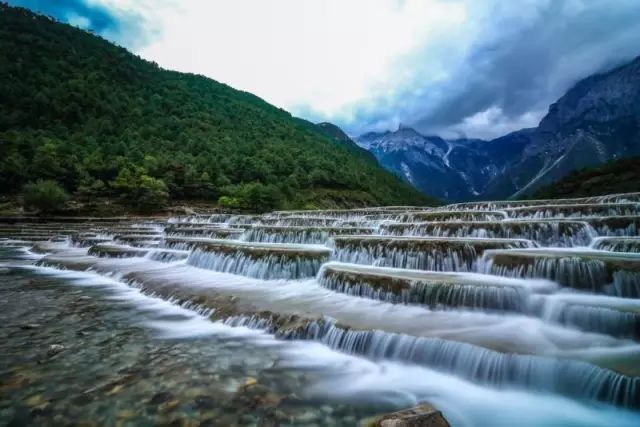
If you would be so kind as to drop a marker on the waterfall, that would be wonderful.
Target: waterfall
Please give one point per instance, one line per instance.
(573, 272)
(564, 376)
(625, 284)
(167, 255)
(269, 266)
(602, 319)
(592, 271)
(547, 233)
(418, 254)
(432, 294)
(613, 244)
(459, 259)
(286, 235)
(536, 295)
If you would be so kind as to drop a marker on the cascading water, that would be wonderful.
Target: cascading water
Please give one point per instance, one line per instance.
(541, 296)
(568, 377)
(419, 254)
(595, 271)
(264, 266)
(546, 233)
(572, 310)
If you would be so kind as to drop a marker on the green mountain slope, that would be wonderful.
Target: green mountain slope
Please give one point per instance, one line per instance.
(100, 121)
(619, 176)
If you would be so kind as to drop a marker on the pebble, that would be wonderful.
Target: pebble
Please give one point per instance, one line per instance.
(250, 381)
(31, 326)
(160, 397)
(169, 406)
(55, 349)
(35, 400)
(126, 414)
(204, 402)
(115, 390)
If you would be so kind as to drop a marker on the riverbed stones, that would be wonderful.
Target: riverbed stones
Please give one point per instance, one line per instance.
(463, 233)
(422, 415)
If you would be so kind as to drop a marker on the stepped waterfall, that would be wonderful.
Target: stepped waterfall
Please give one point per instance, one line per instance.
(535, 301)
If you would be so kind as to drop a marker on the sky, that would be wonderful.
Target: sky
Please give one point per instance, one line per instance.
(455, 68)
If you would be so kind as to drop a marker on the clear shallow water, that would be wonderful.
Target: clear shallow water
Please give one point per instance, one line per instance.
(130, 359)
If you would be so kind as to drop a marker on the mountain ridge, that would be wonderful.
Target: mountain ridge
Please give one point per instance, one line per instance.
(595, 121)
(100, 121)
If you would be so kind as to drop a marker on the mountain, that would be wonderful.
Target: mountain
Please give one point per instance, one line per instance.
(102, 122)
(596, 121)
(452, 170)
(618, 176)
(338, 136)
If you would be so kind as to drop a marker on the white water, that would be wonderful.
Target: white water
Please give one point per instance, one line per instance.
(538, 325)
(354, 379)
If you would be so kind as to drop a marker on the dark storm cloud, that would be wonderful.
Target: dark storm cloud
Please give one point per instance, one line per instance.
(536, 65)
(515, 69)
(123, 27)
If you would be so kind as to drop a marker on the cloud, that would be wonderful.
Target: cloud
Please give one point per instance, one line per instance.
(450, 67)
(526, 57)
(125, 26)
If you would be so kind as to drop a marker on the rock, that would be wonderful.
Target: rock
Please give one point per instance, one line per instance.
(35, 400)
(31, 326)
(169, 405)
(161, 397)
(250, 381)
(204, 402)
(269, 419)
(422, 415)
(55, 349)
(126, 414)
(115, 390)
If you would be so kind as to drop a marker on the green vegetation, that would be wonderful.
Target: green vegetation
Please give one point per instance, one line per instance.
(618, 176)
(45, 196)
(104, 123)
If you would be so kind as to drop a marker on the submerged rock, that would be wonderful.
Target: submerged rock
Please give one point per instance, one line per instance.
(54, 349)
(422, 415)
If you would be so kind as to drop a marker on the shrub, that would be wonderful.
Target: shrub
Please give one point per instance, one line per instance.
(253, 196)
(45, 196)
(140, 191)
(229, 202)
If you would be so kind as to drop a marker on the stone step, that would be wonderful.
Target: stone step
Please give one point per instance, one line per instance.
(614, 273)
(617, 244)
(419, 253)
(623, 225)
(502, 204)
(218, 233)
(298, 234)
(547, 232)
(260, 260)
(112, 250)
(443, 215)
(574, 210)
(434, 289)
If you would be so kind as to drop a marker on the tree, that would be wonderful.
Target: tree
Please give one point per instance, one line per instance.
(253, 196)
(45, 195)
(99, 120)
(229, 202)
(152, 194)
(141, 191)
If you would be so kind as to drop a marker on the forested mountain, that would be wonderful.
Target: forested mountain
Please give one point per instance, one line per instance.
(596, 121)
(619, 176)
(101, 121)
